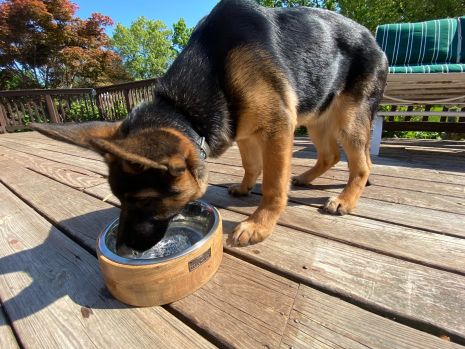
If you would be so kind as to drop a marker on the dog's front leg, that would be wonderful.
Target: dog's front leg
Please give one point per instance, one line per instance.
(277, 152)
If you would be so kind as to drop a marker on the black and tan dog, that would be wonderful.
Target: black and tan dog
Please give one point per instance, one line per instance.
(248, 74)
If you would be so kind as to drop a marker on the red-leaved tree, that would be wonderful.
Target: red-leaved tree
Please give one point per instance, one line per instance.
(43, 44)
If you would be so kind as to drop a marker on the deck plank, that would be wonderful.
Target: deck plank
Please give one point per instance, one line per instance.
(449, 168)
(437, 250)
(302, 249)
(433, 201)
(77, 177)
(398, 214)
(96, 166)
(84, 217)
(410, 290)
(54, 295)
(318, 320)
(389, 177)
(55, 146)
(7, 338)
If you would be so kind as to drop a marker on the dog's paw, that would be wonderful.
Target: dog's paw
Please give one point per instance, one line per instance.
(335, 205)
(299, 182)
(248, 233)
(236, 190)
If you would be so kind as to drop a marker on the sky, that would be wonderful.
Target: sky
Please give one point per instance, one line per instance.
(126, 11)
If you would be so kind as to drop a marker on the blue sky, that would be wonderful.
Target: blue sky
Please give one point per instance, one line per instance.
(126, 11)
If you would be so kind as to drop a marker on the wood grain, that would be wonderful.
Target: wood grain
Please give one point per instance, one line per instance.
(38, 190)
(377, 193)
(399, 287)
(54, 295)
(318, 320)
(77, 177)
(7, 338)
(162, 283)
(422, 180)
(89, 164)
(36, 140)
(83, 217)
(396, 214)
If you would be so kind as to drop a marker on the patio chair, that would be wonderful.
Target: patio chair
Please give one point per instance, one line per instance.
(427, 68)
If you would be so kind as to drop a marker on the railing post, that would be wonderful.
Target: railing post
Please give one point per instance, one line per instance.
(96, 95)
(2, 119)
(376, 135)
(52, 111)
(126, 98)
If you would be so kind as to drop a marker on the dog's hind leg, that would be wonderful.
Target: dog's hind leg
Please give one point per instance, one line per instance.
(324, 139)
(251, 155)
(354, 130)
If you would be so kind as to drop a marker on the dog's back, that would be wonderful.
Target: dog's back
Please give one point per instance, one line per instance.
(320, 54)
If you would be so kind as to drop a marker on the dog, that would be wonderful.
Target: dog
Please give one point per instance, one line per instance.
(248, 74)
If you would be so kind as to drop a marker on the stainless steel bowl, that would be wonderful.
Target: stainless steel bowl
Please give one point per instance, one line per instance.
(198, 216)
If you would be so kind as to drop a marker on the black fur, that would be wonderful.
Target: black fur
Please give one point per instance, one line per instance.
(321, 53)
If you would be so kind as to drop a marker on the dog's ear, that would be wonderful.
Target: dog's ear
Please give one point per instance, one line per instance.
(176, 165)
(117, 150)
(83, 134)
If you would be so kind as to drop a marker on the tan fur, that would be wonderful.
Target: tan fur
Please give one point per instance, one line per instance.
(263, 109)
(265, 128)
(188, 180)
(345, 121)
(146, 193)
(252, 161)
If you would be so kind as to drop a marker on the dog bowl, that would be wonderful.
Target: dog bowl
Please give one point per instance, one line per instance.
(167, 274)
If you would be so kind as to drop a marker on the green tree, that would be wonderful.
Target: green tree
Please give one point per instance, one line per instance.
(375, 12)
(372, 13)
(327, 4)
(181, 35)
(145, 47)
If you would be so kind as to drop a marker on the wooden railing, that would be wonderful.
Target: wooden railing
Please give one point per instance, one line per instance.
(116, 101)
(21, 107)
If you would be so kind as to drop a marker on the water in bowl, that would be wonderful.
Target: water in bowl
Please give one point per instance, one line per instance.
(184, 230)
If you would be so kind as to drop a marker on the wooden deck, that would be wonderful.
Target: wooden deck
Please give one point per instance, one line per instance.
(391, 275)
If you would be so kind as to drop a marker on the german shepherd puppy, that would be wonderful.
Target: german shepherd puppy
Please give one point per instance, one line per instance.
(249, 74)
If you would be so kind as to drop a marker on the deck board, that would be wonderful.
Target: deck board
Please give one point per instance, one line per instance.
(264, 295)
(7, 338)
(318, 318)
(83, 217)
(53, 292)
(377, 192)
(438, 250)
(416, 217)
(380, 281)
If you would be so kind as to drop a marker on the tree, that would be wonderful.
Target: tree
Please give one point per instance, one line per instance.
(145, 47)
(372, 13)
(375, 12)
(181, 35)
(327, 4)
(43, 44)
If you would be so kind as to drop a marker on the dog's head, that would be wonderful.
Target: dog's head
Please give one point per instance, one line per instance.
(153, 172)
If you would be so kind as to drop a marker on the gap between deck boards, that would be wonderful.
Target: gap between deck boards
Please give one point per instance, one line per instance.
(52, 178)
(290, 336)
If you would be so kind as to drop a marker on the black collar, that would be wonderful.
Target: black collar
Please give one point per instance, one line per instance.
(202, 145)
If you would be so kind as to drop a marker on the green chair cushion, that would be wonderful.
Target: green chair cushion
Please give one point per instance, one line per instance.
(434, 43)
